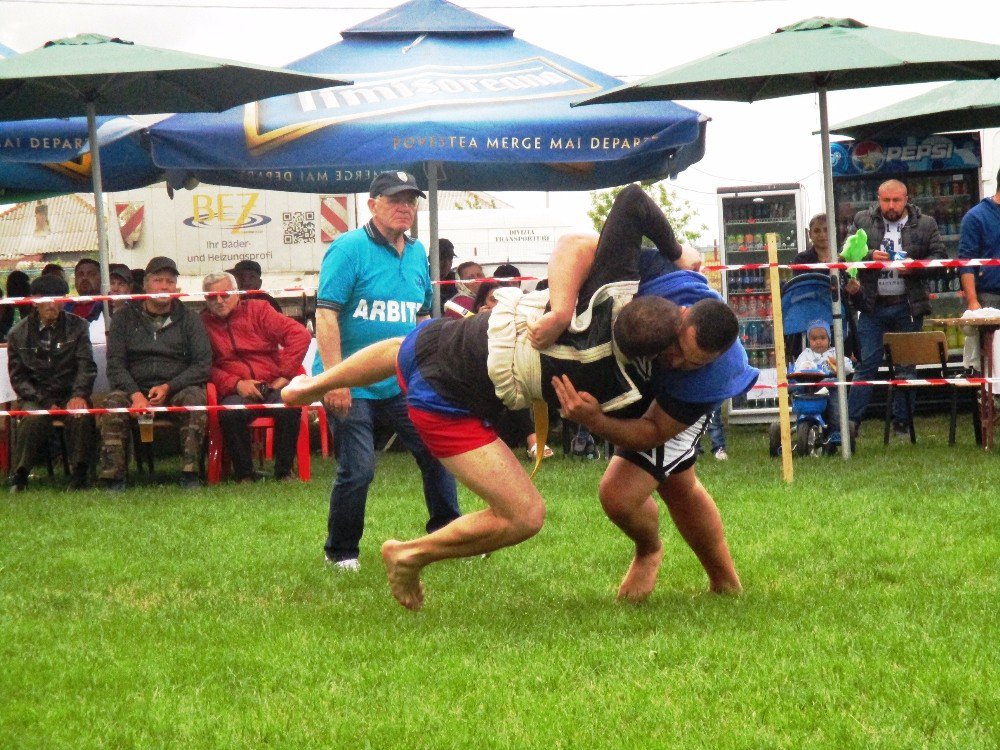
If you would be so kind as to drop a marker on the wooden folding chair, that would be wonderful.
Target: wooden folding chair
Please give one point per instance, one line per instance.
(922, 348)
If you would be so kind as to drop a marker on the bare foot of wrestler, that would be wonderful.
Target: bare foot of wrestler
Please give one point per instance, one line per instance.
(729, 586)
(404, 579)
(299, 391)
(640, 580)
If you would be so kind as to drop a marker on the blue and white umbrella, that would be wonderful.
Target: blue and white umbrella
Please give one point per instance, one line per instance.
(443, 93)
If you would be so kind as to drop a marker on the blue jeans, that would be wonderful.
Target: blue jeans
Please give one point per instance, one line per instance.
(871, 328)
(716, 433)
(356, 469)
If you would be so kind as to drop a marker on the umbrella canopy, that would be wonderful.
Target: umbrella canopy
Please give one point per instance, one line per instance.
(41, 158)
(962, 105)
(92, 74)
(815, 56)
(118, 78)
(53, 156)
(435, 83)
(829, 53)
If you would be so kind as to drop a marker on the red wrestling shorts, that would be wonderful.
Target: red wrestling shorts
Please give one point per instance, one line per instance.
(446, 436)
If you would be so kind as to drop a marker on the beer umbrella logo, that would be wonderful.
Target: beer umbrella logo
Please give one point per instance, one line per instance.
(282, 120)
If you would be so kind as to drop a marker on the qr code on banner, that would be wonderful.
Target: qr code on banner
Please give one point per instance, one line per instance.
(299, 227)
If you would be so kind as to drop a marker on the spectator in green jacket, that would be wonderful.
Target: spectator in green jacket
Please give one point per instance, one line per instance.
(158, 355)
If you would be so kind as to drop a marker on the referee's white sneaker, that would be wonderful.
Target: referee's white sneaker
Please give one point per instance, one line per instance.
(350, 565)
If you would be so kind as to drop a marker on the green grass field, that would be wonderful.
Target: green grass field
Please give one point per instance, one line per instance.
(207, 619)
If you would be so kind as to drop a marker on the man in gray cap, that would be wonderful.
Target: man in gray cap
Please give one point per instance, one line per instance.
(120, 282)
(158, 355)
(374, 284)
(51, 366)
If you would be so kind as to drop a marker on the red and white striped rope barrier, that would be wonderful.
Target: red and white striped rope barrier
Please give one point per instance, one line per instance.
(154, 409)
(150, 295)
(204, 295)
(896, 382)
(872, 265)
(486, 280)
(876, 265)
(317, 405)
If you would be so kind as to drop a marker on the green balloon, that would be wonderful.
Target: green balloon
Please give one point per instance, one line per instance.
(855, 249)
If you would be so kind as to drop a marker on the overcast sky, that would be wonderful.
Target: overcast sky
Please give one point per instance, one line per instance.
(765, 142)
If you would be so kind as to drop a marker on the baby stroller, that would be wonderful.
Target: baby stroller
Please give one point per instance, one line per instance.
(804, 299)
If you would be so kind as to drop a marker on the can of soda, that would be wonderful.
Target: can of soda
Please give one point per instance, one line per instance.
(899, 255)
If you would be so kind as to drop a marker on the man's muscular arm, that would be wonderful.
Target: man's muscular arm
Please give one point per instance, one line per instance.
(653, 428)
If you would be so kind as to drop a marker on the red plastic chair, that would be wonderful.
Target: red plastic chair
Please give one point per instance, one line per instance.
(5, 442)
(262, 432)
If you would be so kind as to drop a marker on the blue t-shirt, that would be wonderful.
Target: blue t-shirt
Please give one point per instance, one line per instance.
(980, 238)
(376, 292)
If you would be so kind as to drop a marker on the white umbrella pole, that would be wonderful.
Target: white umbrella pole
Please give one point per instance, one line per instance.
(838, 323)
(102, 227)
(432, 247)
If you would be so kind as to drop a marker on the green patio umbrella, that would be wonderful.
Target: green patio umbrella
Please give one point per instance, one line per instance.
(97, 75)
(815, 56)
(962, 105)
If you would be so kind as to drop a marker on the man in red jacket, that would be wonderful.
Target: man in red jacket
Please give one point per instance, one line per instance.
(255, 352)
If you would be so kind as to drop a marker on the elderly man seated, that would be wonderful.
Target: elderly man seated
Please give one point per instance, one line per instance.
(158, 355)
(51, 366)
(255, 352)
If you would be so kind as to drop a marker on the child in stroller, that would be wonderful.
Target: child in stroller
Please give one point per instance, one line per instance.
(815, 413)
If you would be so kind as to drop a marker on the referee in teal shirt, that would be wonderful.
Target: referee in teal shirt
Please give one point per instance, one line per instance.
(374, 284)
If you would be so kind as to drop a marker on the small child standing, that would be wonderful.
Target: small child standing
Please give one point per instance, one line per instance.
(821, 357)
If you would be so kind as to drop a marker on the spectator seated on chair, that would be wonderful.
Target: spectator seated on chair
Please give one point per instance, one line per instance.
(18, 285)
(255, 352)
(51, 366)
(87, 281)
(158, 355)
(120, 282)
(248, 278)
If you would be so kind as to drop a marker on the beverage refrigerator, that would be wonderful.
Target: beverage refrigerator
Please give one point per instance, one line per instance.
(747, 215)
(942, 175)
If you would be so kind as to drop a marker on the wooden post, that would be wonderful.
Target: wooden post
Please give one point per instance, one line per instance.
(787, 472)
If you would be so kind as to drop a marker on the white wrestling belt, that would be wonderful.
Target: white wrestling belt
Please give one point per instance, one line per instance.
(515, 367)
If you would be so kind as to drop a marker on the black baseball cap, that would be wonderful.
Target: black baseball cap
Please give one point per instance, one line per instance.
(246, 265)
(49, 285)
(446, 248)
(390, 183)
(120, 270)
(162, 263)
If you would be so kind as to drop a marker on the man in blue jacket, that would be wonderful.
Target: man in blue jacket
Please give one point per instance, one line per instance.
(980, 238)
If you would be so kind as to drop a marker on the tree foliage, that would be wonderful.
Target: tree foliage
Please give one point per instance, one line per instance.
(475, 201)
(682, 215)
